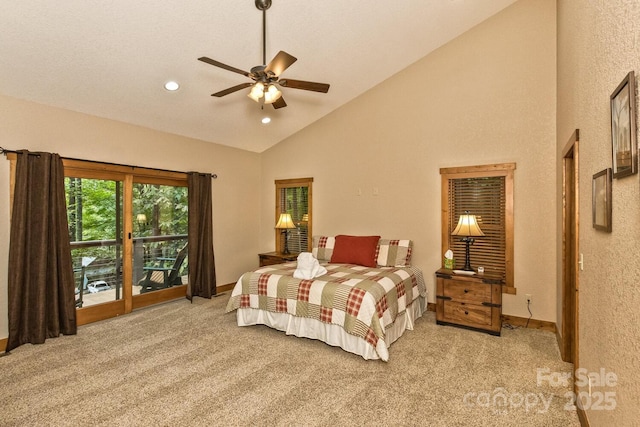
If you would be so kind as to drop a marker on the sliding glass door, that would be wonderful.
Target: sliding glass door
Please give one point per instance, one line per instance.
(128, 233)
(160, 215)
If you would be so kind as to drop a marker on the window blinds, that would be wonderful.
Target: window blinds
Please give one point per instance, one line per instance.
(484, 197)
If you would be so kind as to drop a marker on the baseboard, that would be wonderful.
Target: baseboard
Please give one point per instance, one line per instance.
(560, 342)
(529, 323)
(225, 288)
(519, 321)
(3, 344)
(582, 416)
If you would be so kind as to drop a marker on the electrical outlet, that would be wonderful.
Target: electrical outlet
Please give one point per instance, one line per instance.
(528, 298)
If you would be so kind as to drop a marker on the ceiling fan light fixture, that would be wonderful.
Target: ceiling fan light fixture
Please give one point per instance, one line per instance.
(257, 91)
(272, 94)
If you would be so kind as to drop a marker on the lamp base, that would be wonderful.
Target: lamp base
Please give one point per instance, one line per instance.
(467, 259)
(286, 242)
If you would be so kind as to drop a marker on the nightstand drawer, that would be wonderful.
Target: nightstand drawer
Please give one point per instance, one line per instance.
(467, 291)
(272, 258)
(468, 314)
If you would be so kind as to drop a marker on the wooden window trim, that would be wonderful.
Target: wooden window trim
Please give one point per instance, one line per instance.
(289, 183)
(497, 169)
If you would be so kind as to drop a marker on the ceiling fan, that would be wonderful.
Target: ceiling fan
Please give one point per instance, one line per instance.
(266, 78)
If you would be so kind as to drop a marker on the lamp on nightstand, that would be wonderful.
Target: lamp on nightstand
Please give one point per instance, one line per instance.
(467, 228)
(285, 223)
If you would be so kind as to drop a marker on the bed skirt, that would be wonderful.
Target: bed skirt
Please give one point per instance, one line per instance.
(332, 334)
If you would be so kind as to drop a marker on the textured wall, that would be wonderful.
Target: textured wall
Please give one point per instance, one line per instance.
(486, 97)
(598, 44)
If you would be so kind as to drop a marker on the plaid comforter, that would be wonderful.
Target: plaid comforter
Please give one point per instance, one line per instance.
(364, 301)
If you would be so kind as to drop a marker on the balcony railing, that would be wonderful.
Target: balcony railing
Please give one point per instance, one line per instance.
(97, 264)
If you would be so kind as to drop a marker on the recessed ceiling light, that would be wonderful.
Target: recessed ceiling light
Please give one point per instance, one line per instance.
(171, 86)
(266, 120)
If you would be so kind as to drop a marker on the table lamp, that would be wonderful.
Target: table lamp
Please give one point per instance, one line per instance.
(285, 223)
(467, 228)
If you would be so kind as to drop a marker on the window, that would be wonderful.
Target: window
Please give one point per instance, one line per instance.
(487, 192)
(293, 196)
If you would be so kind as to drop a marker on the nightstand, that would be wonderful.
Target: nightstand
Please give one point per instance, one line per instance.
(469, 301)
(271, 258)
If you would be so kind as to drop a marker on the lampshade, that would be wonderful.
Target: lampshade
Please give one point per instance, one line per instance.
(271, 95)
(257, 91)
(285, 221)
(467, 226)
(141, 218)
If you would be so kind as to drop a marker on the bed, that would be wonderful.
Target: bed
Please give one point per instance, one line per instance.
(361, 308)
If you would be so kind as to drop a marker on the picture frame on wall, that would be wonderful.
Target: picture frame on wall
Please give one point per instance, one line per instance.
(623, 128)
(601, 200)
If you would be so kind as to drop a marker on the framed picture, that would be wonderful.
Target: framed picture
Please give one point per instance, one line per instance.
(623, 128)
(601, 200)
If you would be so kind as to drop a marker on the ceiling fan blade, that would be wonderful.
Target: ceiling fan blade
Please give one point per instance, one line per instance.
(224, 66)
(231, 90)
(279, 63)
(279, 103)
(301, 84)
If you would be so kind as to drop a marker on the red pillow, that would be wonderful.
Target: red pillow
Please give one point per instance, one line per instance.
(360, 250)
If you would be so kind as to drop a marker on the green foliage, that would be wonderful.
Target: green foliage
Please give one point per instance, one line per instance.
(166, 209)
(91, 206)
(94, 207)
(295, 200)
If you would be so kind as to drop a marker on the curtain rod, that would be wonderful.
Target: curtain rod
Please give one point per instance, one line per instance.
(5, 151)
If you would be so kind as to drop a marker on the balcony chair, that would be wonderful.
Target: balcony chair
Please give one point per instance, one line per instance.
(161, 277)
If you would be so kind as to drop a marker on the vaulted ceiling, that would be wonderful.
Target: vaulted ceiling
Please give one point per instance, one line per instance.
(112, 58)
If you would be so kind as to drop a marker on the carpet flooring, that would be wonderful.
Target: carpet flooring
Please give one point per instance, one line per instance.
(182, 364)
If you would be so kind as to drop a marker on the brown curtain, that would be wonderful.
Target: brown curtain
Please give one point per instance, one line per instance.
(41, 282)
(202, 270)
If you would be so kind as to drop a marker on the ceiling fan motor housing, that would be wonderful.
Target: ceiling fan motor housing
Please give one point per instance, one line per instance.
(258, 71)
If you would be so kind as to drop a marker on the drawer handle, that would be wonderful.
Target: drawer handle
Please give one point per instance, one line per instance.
(466, 290)
(466, 312)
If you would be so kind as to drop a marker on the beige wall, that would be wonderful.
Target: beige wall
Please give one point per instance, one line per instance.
(486, 97)
(39, 128)
(598, 44)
